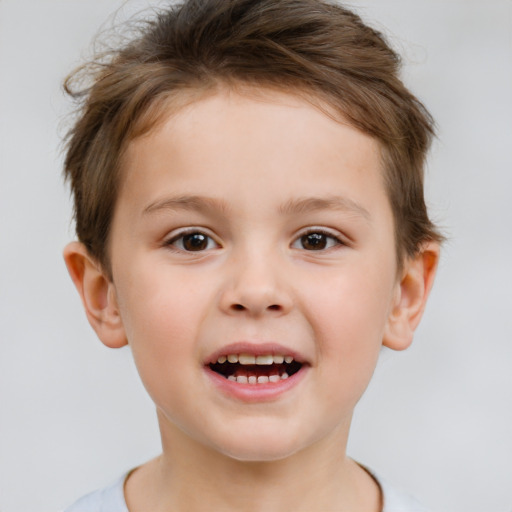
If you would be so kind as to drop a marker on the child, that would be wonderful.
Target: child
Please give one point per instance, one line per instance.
(248, 184)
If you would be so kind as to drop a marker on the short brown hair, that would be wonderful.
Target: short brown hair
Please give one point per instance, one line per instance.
(308, 46)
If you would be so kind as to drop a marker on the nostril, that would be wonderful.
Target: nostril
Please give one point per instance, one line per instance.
(254, 308)
(241, 307)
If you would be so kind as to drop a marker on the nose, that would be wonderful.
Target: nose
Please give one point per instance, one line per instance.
(255, 287)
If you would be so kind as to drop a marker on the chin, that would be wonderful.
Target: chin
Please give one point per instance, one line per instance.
(274, 446)
(259, 455)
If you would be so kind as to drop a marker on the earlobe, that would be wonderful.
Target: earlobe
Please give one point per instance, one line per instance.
(411, 296)
(97, 293)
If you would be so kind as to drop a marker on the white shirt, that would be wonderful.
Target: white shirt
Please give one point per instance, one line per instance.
(111, 499)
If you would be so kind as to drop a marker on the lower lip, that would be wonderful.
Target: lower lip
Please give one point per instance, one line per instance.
(265, 392)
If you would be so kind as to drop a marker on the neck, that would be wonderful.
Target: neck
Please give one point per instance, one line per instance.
(188, 474)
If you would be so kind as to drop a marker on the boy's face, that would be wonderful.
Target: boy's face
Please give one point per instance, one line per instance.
(256, 226)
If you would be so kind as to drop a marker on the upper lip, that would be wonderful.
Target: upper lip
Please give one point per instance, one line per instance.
(256, 349)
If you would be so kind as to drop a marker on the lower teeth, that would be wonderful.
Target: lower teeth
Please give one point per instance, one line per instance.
(261, 379)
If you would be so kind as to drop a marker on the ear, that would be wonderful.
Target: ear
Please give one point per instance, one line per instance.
(98, 295)
(411, 297)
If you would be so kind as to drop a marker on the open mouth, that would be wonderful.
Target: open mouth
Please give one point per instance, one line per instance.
(251, 369)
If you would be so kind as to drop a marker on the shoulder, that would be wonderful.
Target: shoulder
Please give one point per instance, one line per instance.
(395, 500)
(109, 499)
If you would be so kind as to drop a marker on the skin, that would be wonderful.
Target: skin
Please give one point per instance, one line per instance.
(254, 172)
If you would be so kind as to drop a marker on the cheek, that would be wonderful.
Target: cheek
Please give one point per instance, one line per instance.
(161, 320)
(353, 308)
(349, 319)
(159, 305)
(162, 336)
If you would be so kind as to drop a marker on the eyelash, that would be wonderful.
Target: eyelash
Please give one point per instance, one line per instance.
(326, 237)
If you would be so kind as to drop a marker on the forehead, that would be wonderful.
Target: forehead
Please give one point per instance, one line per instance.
(255, 128)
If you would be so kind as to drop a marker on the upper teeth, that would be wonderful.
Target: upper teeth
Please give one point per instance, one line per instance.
(266, 359)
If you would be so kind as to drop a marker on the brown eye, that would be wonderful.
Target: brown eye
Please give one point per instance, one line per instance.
(316, 241)
(193, 242)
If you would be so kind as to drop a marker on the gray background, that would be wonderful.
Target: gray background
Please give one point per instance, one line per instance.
(436, 420)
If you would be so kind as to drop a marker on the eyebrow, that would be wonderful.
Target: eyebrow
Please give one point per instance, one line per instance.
(185, 202)
(292, 207)
(311, 204)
